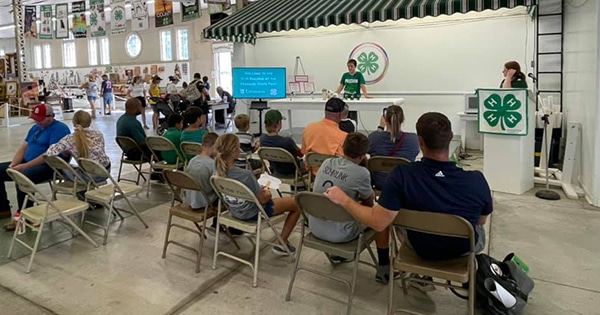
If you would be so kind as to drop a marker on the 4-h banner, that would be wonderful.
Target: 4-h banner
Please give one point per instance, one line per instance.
(190, 10)
(97, 19)
(46, 25)
(139, 15)
(118, 23)
(62, 21)
(503, 111)
(79, 19)
(163, 13)
(30, 27)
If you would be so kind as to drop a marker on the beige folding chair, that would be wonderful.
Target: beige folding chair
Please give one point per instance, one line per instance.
(157, 166)
(178, 181)
(313, 162)
(229, 188)
(46, 210)
(461, 270)
(59, 184)
(319, 206)
(107, 195)
(384, 164)
(190, 148)
(279, 155)
(127, 144)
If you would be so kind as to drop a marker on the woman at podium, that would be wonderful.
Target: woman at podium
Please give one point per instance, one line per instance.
(513, 77)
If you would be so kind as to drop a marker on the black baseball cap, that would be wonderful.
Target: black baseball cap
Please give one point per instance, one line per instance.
(335, 105)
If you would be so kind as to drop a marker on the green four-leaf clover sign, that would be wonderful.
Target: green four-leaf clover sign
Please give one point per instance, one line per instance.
(367, 63)
(501, 110)
(119, 15)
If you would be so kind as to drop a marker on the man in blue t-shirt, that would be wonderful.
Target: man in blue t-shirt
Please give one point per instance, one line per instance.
(29, 159)
(106, 91)
(434, 184)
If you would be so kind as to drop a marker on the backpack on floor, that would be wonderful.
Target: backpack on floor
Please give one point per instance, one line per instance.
(501, 287)
(192, 91)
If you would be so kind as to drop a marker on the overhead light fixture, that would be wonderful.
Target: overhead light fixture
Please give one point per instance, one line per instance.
(6, 27)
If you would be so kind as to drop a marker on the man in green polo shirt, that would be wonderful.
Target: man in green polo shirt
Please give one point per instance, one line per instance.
(352, 82)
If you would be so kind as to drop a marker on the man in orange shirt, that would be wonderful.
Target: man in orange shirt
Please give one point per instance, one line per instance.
(325, 136)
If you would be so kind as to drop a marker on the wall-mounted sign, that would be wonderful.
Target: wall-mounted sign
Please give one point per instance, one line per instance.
(503, 111)
(372, 61)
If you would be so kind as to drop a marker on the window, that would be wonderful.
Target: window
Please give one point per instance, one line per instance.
(93, 51)
(182, 45)
(104, 51)
(2, 52)
(69, 56)
(37, 57)
(133, 45)
(46, 52)
(166, 50)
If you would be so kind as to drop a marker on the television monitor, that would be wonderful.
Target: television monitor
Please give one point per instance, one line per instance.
(259, 82)
(471, 104)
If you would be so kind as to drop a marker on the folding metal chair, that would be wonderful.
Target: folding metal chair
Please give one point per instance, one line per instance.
(178, 181)
(225, 187)
(107, 195)
(59, 183)
(319, 206)
(268, 155)
(313, 162)
(190, 148)
(46, 210)
(127, 144)
(157, 166)
(461, 270)
(383, 164)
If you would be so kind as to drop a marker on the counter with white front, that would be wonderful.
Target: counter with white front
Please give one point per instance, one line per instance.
(296, 104)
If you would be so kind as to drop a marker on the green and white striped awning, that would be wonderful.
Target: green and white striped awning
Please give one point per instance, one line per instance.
(285, 15)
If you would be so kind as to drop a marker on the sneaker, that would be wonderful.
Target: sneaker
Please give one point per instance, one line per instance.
(279, 251)
(336, 260)
(11, 226)
(423, 287)
(146, 127)
(383, 274)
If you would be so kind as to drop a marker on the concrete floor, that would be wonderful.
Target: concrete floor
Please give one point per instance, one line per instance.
(558, 240)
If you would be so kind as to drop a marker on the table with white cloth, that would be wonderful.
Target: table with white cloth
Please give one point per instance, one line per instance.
(365, 104)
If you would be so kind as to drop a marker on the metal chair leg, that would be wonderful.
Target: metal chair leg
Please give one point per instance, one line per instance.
(35, 246)
(12, 243)
(288, 296)
(135, 212)
(256, 254)
(354, 274)
(391, 288)
(216, 240)
(164, 253)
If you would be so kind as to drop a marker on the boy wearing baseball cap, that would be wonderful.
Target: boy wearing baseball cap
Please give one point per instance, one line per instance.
(272, 139)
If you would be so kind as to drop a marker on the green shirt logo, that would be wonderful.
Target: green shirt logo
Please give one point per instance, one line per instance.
(505, 111)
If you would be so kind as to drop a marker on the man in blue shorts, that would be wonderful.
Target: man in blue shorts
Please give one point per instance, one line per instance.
(106, 91)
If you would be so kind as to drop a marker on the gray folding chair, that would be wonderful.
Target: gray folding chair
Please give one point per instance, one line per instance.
(384, 164)
(127, 144)
(225, 187)
(45, 210)
(157, 166)
(61, 185)
(319, 206)
(313, 162)
(268, 155)
(107, 195)
(190, 148)
(404, 259)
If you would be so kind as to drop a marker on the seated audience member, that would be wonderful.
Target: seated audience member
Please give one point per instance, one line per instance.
(175, 122)
(346, 124)
(201, 167)
(29, 158)
(129, 126)
(248, 143)
(325, 136)
(82, 143)
(272, 139)
(433, 184)
(390, 140)
(228, 149)
(194, 118)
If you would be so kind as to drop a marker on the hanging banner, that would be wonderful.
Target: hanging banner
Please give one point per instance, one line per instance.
(190, 10)
(118, 23)
(30, 27)
(79, 19)
(163, 13)
(46, 19)
(503, 111)
(62, 21)
(97, 19)
(139, 15)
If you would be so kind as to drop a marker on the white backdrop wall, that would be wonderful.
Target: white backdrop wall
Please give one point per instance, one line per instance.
(581, 86)
(433, 61)
(8, 45)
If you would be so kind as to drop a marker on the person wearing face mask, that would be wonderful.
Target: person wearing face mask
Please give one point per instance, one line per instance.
(29, 159)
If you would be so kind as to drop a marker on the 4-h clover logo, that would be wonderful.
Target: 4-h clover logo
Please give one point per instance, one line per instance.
(94, 19)
(367, 63)
(503, 111)
(119, 15)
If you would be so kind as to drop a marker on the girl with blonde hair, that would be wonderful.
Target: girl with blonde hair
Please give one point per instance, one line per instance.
(91, 91)
(227, 148)
(138, 90)
(82, 143)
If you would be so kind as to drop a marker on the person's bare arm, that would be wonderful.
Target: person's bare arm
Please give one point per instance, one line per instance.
(369, 202)
(19, 155)
(363, 88)
(339, 89)
(35, 162)
(508, 80)
(377, 217)
(482, 220)
(264, 196)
